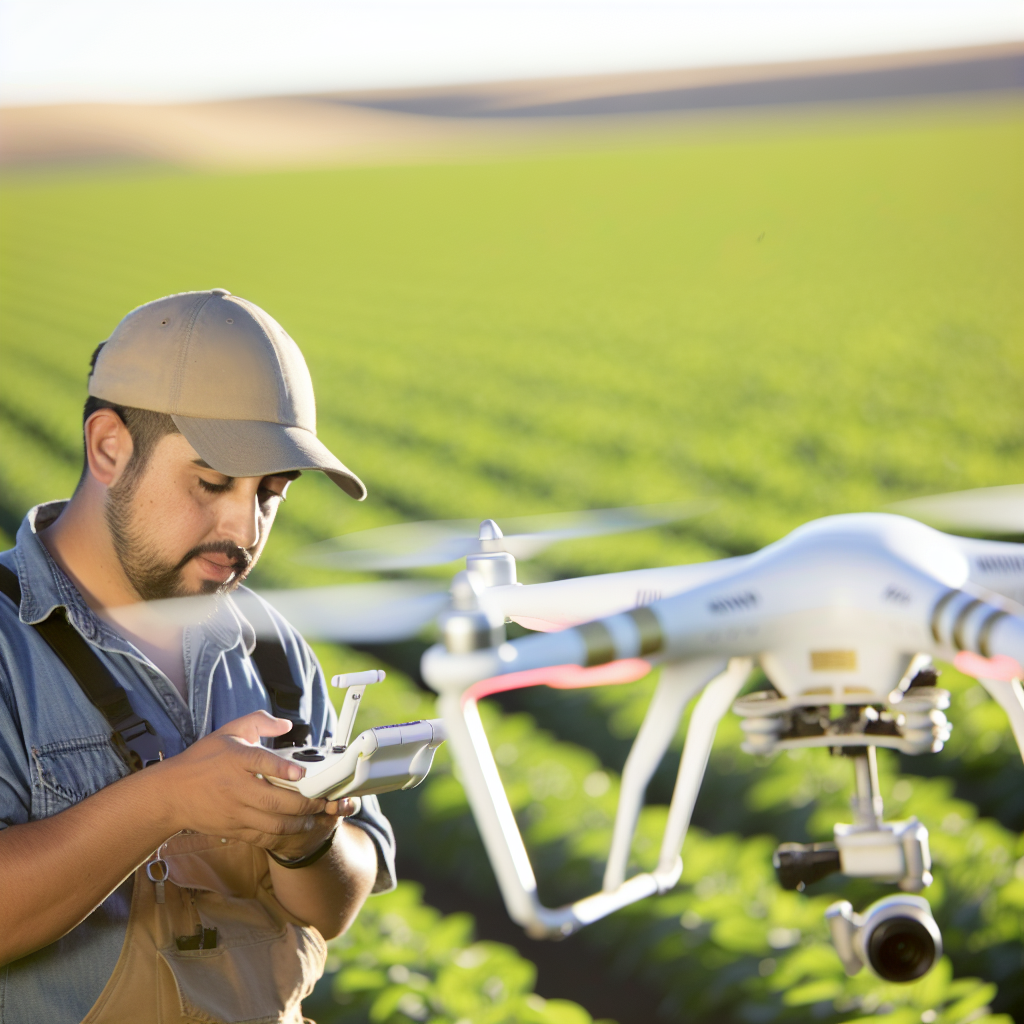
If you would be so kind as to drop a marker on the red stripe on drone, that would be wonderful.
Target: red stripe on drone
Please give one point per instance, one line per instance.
(562, 677)
(1001, 668)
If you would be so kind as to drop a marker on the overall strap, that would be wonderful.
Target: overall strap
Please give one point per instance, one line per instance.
(132, 737)
(276, 674)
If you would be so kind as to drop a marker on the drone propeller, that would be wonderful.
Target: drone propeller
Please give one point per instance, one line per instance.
(992, 510)
(361, 613)
(356, 613)
(437, 542)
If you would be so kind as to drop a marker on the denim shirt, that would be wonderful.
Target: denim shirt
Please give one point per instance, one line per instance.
(55, 749)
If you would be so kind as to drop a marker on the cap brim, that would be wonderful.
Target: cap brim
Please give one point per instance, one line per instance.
(258, 448)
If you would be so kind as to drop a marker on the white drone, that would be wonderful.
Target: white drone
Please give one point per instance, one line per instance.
(847, 610)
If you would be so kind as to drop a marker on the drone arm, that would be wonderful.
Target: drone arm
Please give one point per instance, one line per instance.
(678, 683)
(633, 634)
(968, 624)
(971, 620)
(1010, 697)
(715, 701)
(1002, 633)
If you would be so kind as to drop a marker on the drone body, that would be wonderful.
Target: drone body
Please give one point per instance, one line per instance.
(844, 611)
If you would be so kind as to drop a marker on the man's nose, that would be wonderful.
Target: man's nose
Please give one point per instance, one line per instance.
(240, 520)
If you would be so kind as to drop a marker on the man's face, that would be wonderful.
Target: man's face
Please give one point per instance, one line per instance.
(181, 528)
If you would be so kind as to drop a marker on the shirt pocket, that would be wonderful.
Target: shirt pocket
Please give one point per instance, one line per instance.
(69, 770)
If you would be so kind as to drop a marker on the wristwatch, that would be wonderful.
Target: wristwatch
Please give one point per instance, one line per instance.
(309, 858)
(312, 858)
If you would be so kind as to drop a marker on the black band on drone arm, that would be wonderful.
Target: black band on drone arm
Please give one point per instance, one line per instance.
(276, 675)
(132, 737)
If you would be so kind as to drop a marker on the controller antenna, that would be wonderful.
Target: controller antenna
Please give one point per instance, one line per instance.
(356, 683)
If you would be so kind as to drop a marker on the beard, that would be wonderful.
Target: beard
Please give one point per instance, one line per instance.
(152, 577)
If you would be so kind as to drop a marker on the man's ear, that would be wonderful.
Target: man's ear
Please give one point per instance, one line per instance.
(108, 446)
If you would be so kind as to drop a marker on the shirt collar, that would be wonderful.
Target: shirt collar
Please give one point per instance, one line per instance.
(45, 586)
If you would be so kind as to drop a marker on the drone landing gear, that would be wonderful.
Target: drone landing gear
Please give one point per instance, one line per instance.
(720, 682)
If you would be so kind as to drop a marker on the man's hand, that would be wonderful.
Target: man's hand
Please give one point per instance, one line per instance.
(211, 788)
(218, 787)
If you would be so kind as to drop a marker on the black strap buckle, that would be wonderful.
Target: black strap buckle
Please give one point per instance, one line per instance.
(141, 741)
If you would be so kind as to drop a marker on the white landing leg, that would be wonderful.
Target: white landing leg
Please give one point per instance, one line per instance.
(678, 683)
(1010, 697)
(714, 702)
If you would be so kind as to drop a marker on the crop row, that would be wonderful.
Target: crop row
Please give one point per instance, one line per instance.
(402, 961)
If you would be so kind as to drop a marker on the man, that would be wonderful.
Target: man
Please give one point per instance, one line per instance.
(190, 888)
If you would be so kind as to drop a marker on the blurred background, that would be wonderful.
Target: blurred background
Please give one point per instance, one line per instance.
(541, 257)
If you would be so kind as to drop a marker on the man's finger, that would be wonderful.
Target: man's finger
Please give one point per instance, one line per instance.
(276, 825)
(255, 725)
(260, 761)
(266, 797)
(341, 808)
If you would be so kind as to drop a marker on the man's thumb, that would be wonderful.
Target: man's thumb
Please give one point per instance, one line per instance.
(256, 724)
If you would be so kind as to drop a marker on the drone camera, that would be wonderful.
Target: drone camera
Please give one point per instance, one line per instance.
(896, 938)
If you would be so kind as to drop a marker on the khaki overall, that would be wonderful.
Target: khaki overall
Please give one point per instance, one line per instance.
(217, 893)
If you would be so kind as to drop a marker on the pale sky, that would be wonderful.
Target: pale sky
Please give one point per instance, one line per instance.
(157, 51)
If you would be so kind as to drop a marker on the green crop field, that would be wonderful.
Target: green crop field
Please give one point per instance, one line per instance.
(789, 318)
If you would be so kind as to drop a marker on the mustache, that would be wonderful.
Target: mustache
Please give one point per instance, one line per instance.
(240, 559)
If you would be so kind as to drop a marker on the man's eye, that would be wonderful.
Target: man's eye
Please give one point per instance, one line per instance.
(212, 488)
(274, 487)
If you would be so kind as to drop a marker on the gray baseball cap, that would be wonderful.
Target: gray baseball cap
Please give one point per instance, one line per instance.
(229, 376)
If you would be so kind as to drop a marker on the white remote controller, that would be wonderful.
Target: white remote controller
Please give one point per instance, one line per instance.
(379, 760)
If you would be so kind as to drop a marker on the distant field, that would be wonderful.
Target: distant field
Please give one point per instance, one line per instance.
(817, 319)
(818, 315)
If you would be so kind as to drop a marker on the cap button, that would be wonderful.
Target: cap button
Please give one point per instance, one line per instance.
(219, 291)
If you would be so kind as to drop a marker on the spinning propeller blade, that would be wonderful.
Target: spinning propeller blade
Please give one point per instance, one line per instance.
(362, 613)
(993, 510)
(357, 613)
(417, 545)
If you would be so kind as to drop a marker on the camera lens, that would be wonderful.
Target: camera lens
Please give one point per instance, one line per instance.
(901, 949)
